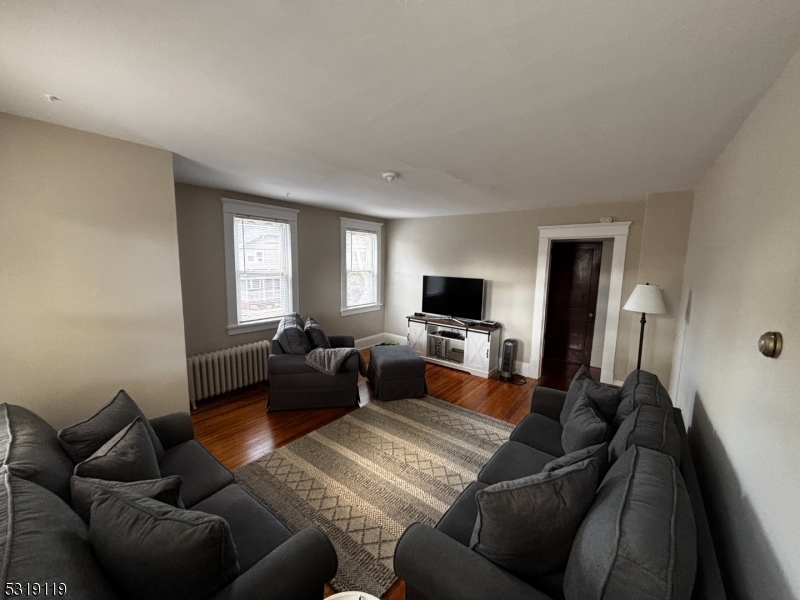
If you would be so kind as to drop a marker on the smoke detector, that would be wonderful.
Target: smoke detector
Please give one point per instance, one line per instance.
(390, 176)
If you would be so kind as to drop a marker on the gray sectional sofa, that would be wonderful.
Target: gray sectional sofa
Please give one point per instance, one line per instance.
(46, 542)
(645, 535)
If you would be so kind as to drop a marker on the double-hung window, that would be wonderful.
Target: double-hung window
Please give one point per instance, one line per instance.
(361, 266)
(260, 264)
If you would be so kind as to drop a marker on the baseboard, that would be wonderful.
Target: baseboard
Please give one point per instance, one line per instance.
(371, 340)
(618, 382)
(522, 368)
(393, 337)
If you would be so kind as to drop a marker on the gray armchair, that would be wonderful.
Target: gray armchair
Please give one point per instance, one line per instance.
(293, 384)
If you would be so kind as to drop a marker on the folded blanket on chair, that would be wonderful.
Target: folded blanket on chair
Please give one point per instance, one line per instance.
(330, 360)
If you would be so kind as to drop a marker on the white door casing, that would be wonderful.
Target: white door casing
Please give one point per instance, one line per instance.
(594, 231)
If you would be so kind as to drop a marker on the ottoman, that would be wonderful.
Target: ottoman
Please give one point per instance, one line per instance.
(396, 372)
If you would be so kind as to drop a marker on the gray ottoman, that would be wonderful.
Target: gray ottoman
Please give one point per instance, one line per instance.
(396, 372)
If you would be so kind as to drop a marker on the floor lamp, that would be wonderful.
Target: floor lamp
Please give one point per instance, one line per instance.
(645, 299)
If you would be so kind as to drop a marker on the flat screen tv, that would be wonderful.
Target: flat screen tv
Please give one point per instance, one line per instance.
(457, 297)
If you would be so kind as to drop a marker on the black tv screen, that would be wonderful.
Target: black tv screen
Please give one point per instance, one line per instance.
(457, 297)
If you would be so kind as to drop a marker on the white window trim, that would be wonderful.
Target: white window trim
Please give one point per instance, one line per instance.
(230, 208)
(372, 226)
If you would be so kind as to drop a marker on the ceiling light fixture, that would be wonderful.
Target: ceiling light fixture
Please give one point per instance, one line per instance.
(51, 98)
(390, 176)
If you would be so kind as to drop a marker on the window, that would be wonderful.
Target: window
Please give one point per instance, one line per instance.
(361, 266)
(260, 264)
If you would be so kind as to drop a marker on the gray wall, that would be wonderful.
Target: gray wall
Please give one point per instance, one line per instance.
(202, 268)
(742, 279)
(90, 297)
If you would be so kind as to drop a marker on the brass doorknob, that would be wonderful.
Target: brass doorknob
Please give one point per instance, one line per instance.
(770, 344)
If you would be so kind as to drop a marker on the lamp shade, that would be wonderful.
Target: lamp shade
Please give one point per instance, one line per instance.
(646, 298)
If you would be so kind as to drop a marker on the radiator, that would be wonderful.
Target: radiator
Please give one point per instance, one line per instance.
(225, 370)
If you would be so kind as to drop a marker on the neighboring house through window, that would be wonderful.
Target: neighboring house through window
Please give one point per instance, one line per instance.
(260, 264)
(361, 266)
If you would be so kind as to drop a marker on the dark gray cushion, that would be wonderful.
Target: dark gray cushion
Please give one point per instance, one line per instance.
(291, 336)
(598, 451)
(648, 427)
(202, 474)
(30, 449)
(83, 439)
(512, 461)
(128, 456)
(575, 387)
(585, 426)
(44, 541)
(459, 520)
(527, 526)
(540, 432)
(606, 398)
(638, 540)
(255, 531)
(152, 550)
(316, 335)
(166, 490)
(395, 361)
(640, 387)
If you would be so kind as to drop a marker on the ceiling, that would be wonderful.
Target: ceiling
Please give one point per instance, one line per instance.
(481, 106)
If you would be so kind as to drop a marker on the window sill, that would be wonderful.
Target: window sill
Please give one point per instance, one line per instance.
(361, 309)
(251, 327)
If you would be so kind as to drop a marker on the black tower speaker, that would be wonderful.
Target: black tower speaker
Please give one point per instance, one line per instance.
(507, 360)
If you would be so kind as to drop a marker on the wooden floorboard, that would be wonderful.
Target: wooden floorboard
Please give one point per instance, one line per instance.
(237, 429)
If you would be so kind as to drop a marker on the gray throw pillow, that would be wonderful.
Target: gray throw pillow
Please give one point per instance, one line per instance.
(598, 451)
(128, 456)
(648, 427)
(639, 538)
(316, 335)
(527, 525)
(606, 398)
(291, 337)
(44, 541)
(574, 390)
(83, 439)
(152, 550)
(29, 448)
(585, 426)
(640, 387)
(166, 490)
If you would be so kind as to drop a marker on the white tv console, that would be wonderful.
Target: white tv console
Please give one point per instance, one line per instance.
(477, 352)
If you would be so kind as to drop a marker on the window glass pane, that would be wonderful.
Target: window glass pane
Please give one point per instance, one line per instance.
(263, 269)
(361, 263)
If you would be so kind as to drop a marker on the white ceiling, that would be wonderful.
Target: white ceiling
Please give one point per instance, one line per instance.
(481, 106)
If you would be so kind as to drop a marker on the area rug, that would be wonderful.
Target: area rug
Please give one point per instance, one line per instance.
(365, 478)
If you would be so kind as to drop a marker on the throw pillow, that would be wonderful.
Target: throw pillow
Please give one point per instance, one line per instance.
(83, 439)
(647, 427)
(291, 337)
(639, 538)
(598, 451)
(527, 525)
(29, 448)
(44, 541)
(606, 398)
(152, 550)
(166, 490)
(585, 426)
(574, 390)
(128, 456)
(316, 335)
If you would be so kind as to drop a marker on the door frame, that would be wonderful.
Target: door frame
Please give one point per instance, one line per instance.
(580, 232)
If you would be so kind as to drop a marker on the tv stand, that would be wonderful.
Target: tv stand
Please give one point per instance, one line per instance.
(464, 346)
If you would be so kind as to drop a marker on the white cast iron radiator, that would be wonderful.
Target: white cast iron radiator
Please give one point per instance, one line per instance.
(225, 370)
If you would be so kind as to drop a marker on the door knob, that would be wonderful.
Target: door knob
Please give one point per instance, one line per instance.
(591, 316)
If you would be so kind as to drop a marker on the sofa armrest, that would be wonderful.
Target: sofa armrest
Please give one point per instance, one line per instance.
(434, 565)
(548, 402)
(173, 429)
(342, 341)
(296, 570)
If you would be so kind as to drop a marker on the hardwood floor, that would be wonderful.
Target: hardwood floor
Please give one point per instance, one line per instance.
(237, 429)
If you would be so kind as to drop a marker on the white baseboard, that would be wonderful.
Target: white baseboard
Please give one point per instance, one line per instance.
(618, 382)
(371, 340)
(393, 337)
(522, 368)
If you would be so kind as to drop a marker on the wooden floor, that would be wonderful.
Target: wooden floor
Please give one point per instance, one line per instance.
(237, 429)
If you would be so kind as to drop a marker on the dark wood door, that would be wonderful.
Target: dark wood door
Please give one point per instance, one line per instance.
(572, 301)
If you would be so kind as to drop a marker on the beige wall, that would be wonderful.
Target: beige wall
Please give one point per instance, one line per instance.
(90, 297)
(501, 248)
(202, 256)
(742, 279)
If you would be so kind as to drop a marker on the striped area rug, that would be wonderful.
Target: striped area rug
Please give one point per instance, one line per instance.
(366, 477)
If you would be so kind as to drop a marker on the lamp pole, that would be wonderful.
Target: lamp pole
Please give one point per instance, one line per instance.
(641, 340)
